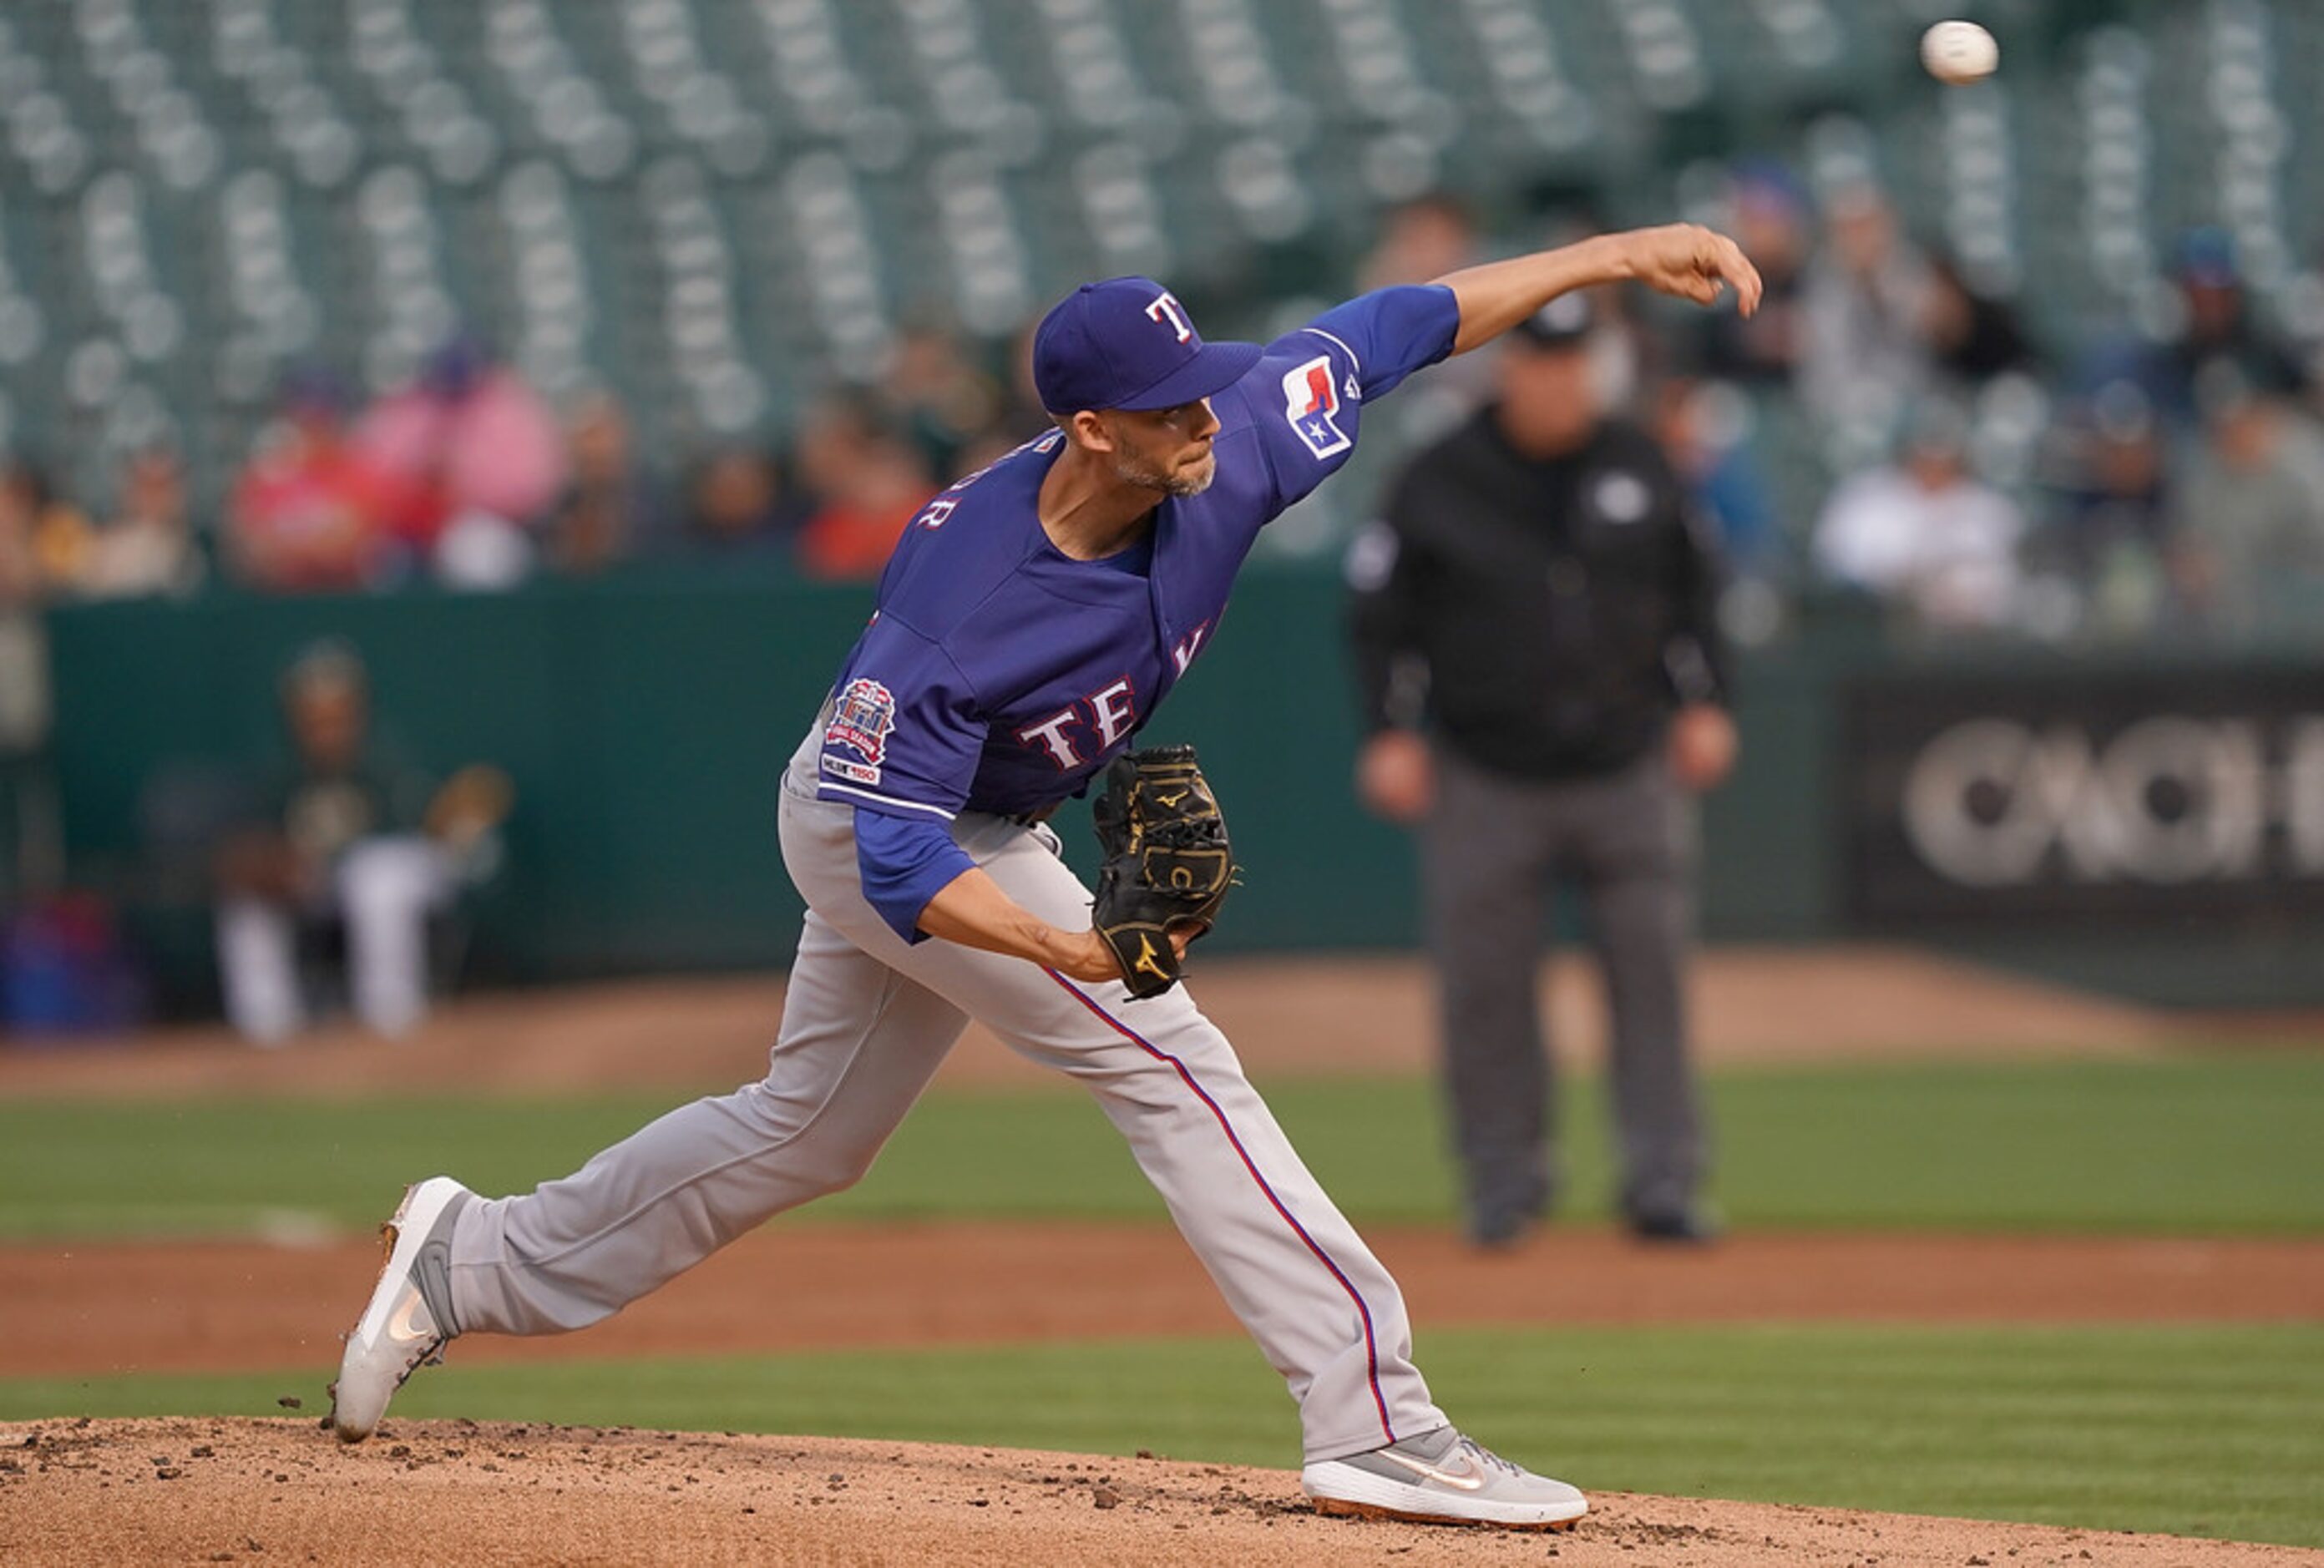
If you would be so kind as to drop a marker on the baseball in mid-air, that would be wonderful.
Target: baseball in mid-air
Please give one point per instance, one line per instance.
(1959, 52)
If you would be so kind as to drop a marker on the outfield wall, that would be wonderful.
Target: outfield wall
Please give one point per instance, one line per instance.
(645, 722)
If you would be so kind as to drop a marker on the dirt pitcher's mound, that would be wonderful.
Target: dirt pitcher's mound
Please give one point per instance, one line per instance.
(273, 1491)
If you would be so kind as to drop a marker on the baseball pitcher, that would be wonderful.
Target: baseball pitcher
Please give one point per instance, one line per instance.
(1029, 622)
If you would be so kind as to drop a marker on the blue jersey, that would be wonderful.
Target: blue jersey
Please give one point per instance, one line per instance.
(999, 674)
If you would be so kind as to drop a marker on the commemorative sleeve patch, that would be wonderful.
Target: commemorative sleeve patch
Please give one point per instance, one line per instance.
(1311, 402)
(861, 722)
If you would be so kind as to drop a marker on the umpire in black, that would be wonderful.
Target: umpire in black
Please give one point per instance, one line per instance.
(1544, 684)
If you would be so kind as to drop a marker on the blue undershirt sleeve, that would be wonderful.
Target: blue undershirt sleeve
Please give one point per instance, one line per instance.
(904, 861)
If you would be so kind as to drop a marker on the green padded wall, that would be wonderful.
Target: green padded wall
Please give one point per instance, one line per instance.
(646, 720)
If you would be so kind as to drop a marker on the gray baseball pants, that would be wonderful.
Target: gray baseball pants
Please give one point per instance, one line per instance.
(1490, 847)
(867, 1020)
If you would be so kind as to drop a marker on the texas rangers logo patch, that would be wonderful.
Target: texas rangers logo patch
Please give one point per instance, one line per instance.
(860, 721)
(1312, 403)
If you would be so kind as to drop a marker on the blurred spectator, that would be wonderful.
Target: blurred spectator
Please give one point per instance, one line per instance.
(1769, 218)
(938, 399)
(483, 552)
(735, 506)
(2114, 468)
(1970, 338)
(1702, 427)
(2247, 532)
(1864, 303)
(1925, 535)
(1423, 239)
(148, 548)
(985, 451)
(31, 847)
(352, 835)
(868, 483)
(2220, 324)
(1022, 417)
(22, 583)
(308, 513)
(1419, 241)
(64, 969)
(612, 510)
(470, 441)
(53, 536)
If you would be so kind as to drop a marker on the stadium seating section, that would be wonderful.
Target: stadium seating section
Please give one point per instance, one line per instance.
(715, 205)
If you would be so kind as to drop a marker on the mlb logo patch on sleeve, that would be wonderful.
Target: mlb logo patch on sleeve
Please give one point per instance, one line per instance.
(1312, 403)
(860, 723)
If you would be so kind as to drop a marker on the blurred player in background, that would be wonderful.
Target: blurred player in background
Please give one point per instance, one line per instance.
(1541, 671)
(351, 834)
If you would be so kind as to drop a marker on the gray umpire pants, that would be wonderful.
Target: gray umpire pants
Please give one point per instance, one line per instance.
(866, 1020)
(1490, 847)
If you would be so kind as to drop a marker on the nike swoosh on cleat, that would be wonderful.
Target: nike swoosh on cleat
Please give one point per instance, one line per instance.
(1468, 1480)
(400, 1326)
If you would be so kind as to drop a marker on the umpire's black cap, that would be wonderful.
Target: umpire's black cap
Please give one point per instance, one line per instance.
(1565, 322)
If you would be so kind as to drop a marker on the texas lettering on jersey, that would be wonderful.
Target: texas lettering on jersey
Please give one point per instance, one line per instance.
(1108, 715)
(1000, 675)
(1095, 724)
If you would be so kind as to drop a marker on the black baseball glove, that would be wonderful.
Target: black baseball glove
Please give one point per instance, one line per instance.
(1167, 862)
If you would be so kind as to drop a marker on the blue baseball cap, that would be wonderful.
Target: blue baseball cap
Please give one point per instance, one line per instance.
(1127, 343)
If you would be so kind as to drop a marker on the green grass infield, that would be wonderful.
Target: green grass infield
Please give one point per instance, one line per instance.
(2198, 1431)
(2194, 1145)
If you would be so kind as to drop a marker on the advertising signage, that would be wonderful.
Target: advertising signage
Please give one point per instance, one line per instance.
(2072, 797)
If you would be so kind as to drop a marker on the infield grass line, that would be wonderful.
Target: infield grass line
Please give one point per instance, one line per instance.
(2203, 1146)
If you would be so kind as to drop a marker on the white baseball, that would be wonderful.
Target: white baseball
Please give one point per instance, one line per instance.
(1959, 52)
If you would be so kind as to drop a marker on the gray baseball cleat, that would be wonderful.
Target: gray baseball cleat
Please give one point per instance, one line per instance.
(1442, 1477)
(408, 1317)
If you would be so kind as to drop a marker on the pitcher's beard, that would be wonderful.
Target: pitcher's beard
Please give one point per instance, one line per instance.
(1178, 482)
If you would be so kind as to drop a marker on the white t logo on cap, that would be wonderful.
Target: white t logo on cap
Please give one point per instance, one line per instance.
(1166, 310)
